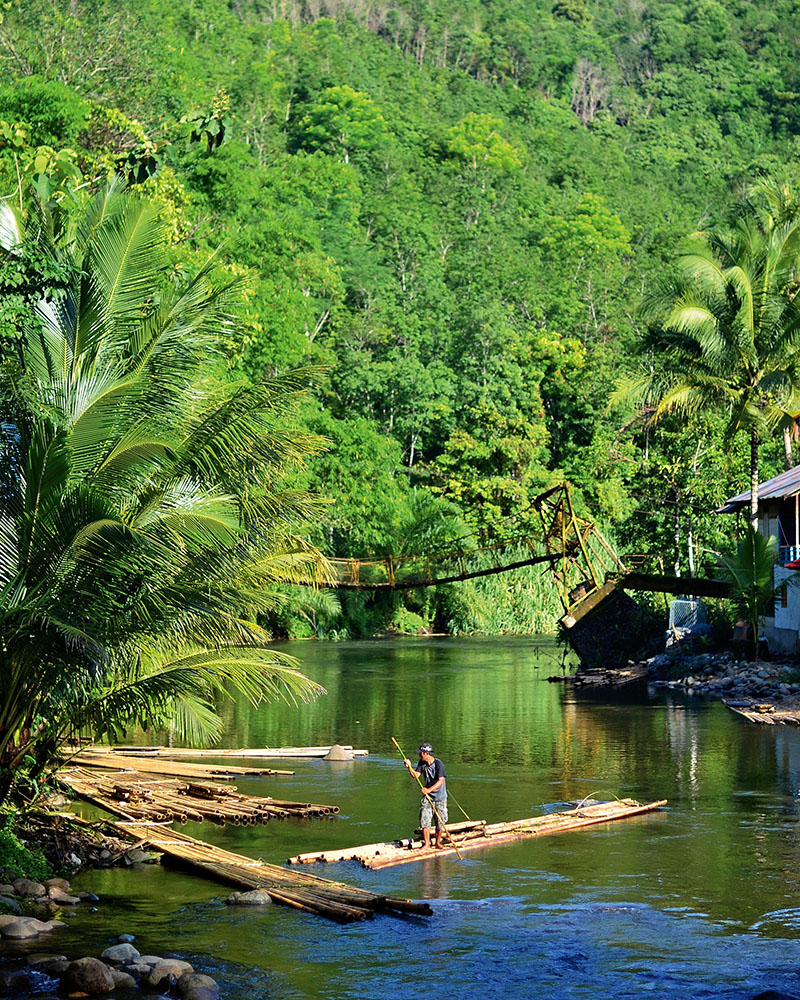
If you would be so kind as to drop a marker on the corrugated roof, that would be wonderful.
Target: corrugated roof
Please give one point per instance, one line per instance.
(787, 484)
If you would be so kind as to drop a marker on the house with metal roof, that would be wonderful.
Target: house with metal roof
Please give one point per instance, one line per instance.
(779, 515)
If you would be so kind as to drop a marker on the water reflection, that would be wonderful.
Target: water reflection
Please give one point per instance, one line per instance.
(694, 901)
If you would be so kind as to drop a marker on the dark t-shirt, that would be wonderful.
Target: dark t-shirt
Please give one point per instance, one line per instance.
(429, 774)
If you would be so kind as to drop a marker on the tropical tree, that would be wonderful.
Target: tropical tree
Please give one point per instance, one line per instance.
(750, 574)
(144, 511)
(725, 330)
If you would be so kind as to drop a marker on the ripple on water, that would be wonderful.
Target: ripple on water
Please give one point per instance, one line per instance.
(779, 920)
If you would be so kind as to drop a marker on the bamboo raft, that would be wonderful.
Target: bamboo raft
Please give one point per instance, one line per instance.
(475, 835)
(174, 753)
(334, 900)
(134, 795)
(178, 769)
(779, 713)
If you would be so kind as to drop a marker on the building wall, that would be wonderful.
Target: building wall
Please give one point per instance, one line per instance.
(789, 616)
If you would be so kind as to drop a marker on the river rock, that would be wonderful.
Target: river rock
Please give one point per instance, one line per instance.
(150, 960)
(11, 904)
(123, 979)
(337, 752)
(88, 897)
(62, 898)
(255, 897)
(57, 883)
(26, 887)
(88, 977)
(44, 926)
(14, 981)
(126, 938)
(119, 954)
(6, 889)
(139, 969)
(167, 972)
(194, 986)
(42, 958)
(138, 857)
(20, 929)
(58, 968)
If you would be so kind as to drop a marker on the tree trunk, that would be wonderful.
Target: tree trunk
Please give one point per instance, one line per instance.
(787, 447)
(676, 530)
(754, 480)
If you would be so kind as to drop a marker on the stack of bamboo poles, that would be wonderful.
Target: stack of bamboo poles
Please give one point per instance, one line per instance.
(114, 761)
(299, 890)
(473, 835)
(265, 752)
(133, 795)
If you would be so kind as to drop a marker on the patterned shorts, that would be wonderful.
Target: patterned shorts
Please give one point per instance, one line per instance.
(427, 816)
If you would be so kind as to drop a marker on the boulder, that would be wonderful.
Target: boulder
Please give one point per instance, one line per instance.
(57, 883)
(119, 954)
(123, 979)
(138, 857)
(44, 926)
(167, 973)
(62, 898)
(88, 897)
(337, 752)
(56, 969)
(126, 938)
(88, 976)
(255, 897)
(42, 958)
(20, 929)
(139, 969)
(11, 904)
(6, 918)
(150, 960)
(6, 889)
(194, 986)
(26, 887)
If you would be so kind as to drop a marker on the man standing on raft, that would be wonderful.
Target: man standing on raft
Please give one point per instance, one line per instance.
(431, 773)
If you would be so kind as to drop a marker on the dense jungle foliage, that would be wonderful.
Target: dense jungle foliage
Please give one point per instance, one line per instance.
(455, 210)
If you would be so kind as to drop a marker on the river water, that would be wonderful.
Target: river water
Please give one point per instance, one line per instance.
(697, 900)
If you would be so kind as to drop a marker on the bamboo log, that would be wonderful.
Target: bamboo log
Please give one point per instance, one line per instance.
(177, 753)
(516, 832)
(132, 795)
(142, 763)
(298, 889)
(478, 835)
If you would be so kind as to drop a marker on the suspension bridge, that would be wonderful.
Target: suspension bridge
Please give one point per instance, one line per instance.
(600, 621)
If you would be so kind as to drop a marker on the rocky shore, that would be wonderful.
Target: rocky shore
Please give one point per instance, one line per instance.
(122, 970)
(741, 683)
(762, 691)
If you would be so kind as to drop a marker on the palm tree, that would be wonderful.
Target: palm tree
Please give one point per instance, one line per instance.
(750, 574)
(144, 511)
(725, 329)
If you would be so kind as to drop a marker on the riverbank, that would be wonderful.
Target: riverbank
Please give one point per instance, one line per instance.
(722, 675)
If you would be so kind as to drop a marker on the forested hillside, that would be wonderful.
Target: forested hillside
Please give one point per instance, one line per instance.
(453, 209)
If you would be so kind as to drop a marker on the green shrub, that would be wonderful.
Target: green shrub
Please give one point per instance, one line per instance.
(20, 860)
(407, 622)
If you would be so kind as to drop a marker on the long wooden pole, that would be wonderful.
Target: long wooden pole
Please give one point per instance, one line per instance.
(433, 804)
